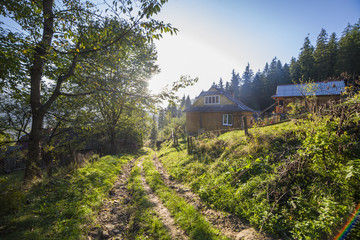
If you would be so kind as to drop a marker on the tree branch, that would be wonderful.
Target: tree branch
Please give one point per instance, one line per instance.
(60, 81)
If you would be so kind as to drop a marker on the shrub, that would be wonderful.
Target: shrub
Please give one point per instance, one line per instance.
(11, 196)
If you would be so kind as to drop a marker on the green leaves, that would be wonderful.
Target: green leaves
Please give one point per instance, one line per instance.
(70, 48)
(352, 170)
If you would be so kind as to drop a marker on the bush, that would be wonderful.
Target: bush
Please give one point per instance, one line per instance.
(11, 196)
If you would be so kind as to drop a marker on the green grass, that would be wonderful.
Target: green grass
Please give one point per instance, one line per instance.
(185, 215)
(144, 224)
(62, 207)
(298, 179)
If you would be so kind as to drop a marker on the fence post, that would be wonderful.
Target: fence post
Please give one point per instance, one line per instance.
(245, 126)
(174, 137)
(189, 144)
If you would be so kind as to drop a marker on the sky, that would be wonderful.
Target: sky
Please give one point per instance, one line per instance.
(216, 37)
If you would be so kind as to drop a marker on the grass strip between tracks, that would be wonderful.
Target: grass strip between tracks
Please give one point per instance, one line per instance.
(144, 222)
(185, 215)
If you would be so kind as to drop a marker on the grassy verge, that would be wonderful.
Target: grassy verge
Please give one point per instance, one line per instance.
(295, 180)
(144, 223)
(185, 215)
(61, 207)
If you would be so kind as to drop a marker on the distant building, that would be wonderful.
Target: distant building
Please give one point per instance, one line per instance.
(323, 92)
(216, 109)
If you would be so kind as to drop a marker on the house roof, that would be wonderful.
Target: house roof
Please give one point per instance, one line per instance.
(317, 89)
(236, 107)
(217, 108)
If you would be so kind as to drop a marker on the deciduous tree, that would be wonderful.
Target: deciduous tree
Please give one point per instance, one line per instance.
(53, 38)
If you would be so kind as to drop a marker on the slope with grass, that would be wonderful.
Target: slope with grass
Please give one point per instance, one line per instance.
(230, 225)
(299, 179)
(60, 207)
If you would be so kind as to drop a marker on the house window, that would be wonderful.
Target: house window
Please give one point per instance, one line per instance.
(212, 99)
(227, 119)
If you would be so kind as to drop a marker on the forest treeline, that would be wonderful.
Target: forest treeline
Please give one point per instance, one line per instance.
(330, 58)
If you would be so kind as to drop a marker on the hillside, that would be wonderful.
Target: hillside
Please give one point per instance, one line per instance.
(295, 180)
(299, 179)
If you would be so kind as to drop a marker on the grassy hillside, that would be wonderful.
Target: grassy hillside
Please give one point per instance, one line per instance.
(299, 179)
(60, 207)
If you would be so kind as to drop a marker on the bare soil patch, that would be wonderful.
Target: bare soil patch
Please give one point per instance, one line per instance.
(229, 224)
(114, 216)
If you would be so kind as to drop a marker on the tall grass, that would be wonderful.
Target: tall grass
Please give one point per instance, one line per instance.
(62, 206)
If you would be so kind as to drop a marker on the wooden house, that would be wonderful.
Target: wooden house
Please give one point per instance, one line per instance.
(216, 109)
(321, 91)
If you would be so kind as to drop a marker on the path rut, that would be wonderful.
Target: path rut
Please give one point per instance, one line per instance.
(113, 218)
(163, 212)
(115, 215)
(229, 224)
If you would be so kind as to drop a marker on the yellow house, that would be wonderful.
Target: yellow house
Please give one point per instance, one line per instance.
(216, 109)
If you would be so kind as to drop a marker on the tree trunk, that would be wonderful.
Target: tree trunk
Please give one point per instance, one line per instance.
(33, 162)
(112, 141)
(37, 109)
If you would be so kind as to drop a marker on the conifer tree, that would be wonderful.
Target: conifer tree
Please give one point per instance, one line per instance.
(234, 84)
(332, 47)
(256, 89)
(349, 50)
(266, 69)
(264, 89)
(273, 76)
(322, 57)
(246, 95)
(286, 74)
(295, 75)
(187, 102)
(227, 87)
(221, 84)
(306, 61)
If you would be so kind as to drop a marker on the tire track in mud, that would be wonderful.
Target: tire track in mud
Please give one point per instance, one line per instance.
(114, 217)
(229, 224)
(164, 214)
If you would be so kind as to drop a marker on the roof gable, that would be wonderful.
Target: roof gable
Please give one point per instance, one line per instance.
(236, 106)
(313, 89)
